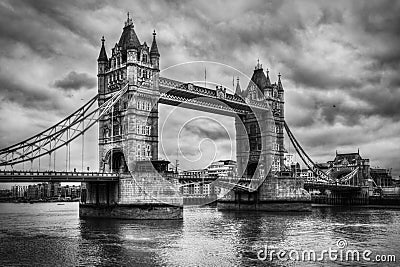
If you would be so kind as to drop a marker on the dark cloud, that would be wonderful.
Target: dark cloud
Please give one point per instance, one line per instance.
(315, 77)
(25, 95)
(204, 128)
(43, 25)
(75, 81)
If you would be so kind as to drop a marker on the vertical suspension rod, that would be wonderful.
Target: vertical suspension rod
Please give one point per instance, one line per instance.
(83, 139)
(112, 137)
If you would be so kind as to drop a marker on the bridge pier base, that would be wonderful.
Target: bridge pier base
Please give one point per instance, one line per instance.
(343, 197)
(126, 200)
(131, 211)
(275, 194)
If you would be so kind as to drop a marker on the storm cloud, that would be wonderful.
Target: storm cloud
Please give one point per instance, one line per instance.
(75, 81)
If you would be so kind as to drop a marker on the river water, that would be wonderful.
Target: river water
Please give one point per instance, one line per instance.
(49, 234)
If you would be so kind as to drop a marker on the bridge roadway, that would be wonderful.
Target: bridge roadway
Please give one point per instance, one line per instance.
(55, 176)
(63, 176)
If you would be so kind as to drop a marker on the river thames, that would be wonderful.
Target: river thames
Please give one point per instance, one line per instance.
(51, 234)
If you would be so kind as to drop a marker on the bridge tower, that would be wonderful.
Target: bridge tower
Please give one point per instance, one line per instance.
(260, 145)
(134, 65)
(128, 134)
(249, 128)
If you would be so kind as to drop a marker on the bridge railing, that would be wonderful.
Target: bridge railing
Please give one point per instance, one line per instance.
(55, 173)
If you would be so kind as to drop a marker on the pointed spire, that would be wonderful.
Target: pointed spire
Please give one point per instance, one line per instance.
(154, 47)
(279, 82)
(103, 53)
(128, 39)
(128, 21)
(258, 66)
(268, 81)
(238, 90)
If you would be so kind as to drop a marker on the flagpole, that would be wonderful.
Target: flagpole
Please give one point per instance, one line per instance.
(205, 77)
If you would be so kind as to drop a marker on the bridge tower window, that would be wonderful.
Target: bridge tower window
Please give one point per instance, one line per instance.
(116, 129)
(148, 151)
(144, 151)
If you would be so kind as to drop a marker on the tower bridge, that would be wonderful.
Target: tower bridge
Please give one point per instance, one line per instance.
(131, 181)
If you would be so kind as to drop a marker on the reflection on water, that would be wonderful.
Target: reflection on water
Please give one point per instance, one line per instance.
(47, 234)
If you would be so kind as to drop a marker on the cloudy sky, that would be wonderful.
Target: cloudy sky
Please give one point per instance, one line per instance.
(339, 62)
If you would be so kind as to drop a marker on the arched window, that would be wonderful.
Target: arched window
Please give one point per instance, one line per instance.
(148, 151)
(116, 129)
(145, 58)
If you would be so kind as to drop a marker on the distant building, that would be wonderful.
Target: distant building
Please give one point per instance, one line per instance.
(217, 169)
(396, 181)
(345, 163)
(382, 177)
(222, 168)
(32, 192)
(45, 191)
(18, 191)
(5, 195)
(194, 173)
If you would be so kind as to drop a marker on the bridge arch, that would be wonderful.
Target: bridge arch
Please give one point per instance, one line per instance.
(114, 161)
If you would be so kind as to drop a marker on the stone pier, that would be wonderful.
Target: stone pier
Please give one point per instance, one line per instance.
(274, 194)
(129, 199)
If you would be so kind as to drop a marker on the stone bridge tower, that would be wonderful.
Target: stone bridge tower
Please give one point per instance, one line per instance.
(128, 135)
(135, 117)
(252, 128)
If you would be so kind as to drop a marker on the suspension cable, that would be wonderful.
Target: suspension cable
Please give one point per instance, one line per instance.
(69, 151)
(40, 143)
(66, 157)
(305, 158)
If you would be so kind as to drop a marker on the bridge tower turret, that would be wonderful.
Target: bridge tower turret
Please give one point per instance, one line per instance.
(260, 89)
(102, 61)
(154, 54)
(279, 122)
